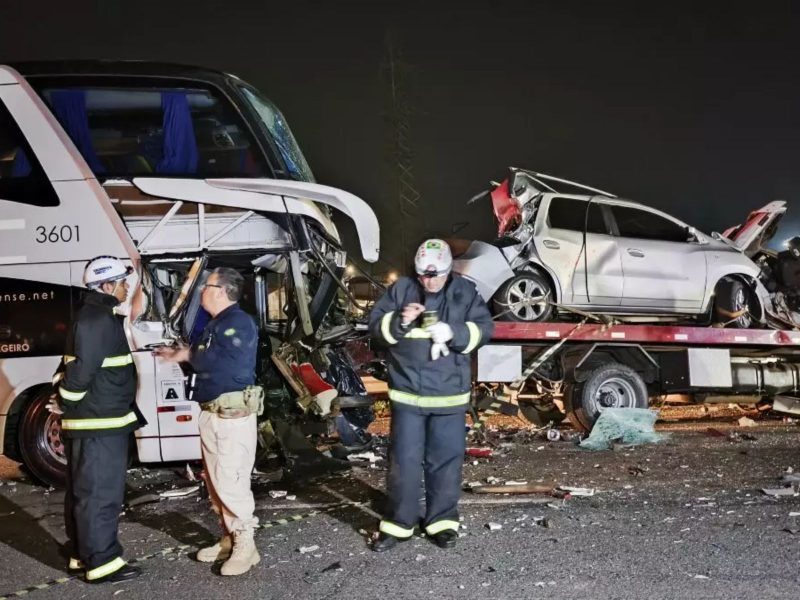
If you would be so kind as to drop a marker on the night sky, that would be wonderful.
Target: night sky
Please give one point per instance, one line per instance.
(692, 109)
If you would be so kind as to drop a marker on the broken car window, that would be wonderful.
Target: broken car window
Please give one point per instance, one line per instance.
(642, 224)
(569, 213)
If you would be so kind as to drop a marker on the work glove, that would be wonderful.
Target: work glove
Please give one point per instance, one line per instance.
(53, 406)
(441, 332)
(439, 349)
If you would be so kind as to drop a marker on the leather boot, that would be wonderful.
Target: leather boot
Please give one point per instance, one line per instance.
(244, 555)
(219, 551)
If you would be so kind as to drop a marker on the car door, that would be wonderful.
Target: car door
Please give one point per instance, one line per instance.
(595, 266)
(662, 268)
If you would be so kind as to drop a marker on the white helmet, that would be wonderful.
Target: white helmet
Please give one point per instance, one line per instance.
(103, 269)
(433, 258)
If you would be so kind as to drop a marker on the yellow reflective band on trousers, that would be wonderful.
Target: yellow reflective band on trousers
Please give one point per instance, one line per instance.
(71, 396)
(390, 528)
(474, 337)
(429, 401)
(106, 569)
(118, 361)
(90, 424)
(418, 333)
(386, 328)
(440, 526)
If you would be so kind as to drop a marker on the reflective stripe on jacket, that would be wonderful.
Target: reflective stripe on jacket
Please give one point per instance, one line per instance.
(98, 387)
(415, 380)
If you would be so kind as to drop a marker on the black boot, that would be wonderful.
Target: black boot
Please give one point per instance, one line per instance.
(385, 542)
(446, 538)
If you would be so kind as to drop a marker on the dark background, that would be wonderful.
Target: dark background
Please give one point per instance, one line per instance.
(691, 108)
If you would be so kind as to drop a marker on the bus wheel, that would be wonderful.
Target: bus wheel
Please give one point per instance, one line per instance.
(606, 386)
(41, 447)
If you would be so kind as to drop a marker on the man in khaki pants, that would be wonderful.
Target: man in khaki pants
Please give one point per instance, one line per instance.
(224, 361)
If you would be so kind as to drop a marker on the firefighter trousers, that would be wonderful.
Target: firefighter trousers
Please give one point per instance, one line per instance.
(429, 444)
(96, 472)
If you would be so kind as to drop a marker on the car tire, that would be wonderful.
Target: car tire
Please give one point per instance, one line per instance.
(609, 385)
(40, 444)
(730, 297)
(514, 300)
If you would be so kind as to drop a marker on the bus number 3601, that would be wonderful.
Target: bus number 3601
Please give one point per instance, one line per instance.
(58, 233)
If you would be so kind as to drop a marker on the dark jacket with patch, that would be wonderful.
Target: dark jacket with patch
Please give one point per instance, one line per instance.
(98, 387)
(224, 358)
(414, 378)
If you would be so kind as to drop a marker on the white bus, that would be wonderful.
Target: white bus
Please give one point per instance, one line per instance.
(176, 170)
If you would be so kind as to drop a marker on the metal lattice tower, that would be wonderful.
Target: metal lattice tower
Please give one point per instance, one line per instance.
(396, 75)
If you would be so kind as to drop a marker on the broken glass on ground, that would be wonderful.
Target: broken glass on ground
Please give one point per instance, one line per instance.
(630, 426)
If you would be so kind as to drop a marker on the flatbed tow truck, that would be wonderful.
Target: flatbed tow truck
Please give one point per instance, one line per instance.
(590, 366)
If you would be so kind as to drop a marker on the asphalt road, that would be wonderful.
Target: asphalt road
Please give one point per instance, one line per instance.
(685, 518)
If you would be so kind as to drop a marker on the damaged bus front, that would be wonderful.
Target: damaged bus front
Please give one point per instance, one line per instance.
(177, 170)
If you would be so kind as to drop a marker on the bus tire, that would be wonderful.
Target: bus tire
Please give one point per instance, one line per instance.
(40, 444)
(607, 385)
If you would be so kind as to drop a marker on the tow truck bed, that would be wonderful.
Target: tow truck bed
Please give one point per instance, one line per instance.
(595, 366)
(643, 334)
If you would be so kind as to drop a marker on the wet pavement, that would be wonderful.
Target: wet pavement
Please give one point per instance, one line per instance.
(685, 518)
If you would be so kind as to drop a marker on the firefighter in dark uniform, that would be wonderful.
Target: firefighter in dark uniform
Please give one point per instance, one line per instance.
(97, 398)
(430, 324)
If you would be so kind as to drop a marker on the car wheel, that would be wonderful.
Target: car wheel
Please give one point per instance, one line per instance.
(41, 447)
(525, 297)
(731, 297)
(609, 385)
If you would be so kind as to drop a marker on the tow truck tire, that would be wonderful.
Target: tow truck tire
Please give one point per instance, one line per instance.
(611, 384)
(730, 297)
(512, 301)
(40, 444)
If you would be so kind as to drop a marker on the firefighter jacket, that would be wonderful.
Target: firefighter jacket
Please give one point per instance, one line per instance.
(415, 379)
(98, 387)
(224, 359)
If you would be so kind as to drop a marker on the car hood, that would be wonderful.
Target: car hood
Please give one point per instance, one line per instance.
(758, 228)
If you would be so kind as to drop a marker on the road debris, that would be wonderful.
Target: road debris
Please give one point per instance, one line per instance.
(746, 422)
(180, 492)
(779, 492)
(307, 549)
(362, 456)
(494, 526)
(476, 452)
(630, 426)
(337, 566)
(513, 488)
(144, 499)
(278, 493)
(577, 491)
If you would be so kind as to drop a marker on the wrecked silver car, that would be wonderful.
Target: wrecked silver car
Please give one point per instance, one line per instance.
(563, 248)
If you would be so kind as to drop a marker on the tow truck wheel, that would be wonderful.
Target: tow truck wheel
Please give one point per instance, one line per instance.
(609, 385)
(731, 298)
(524, 298)
(40, 444)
